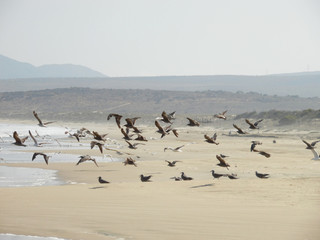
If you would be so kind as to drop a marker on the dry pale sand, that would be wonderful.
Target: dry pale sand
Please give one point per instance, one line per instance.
(285, 206)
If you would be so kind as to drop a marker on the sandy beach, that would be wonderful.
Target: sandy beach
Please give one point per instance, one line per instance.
(285, 206)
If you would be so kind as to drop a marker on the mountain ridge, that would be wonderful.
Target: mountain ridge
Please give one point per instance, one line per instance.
(13, 69)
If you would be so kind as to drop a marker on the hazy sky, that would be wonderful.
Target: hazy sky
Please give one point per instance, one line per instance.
(165, 37)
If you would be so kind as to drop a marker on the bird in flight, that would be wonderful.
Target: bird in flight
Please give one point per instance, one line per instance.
(239, 130)
(211, 139)
(193, 122)
(310, 145)
(253, 125)
(177, 149)
(41, 124)
(84, 158)
(172, 164)
(222, 162)
(117, 118)
(130, 161)
(45, 156)
(19, 141)
(221, 115)
(95, 143)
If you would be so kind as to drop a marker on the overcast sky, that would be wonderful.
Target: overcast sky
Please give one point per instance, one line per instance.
(165, 37)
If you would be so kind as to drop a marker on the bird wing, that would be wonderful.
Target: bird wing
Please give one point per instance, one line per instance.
(37, 117)
(129, 143)
(247, 121)
(315, 154)
(235, 126)
(158, 126)
(175, 132)
(257, 122)
(308, 144)
(92, 144)
(224, 112)
(314, 143)
(94, 162)
(214, 137)
(34, 156)
(33, 138)
(177, 148)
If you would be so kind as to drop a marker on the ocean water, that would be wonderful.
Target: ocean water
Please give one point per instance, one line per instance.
(27, 177)
(8, 236)
(55, 140)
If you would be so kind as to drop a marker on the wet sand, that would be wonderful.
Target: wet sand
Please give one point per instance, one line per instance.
(285, 206)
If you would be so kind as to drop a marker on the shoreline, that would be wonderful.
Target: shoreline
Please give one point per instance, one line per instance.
(283, 207)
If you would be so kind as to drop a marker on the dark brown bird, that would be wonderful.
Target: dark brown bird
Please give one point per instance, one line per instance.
(130, 122)
(84, 158)
(161, 130)
(165, 118)
(193, 122)
(263, 153)
(175, 132)
(211, 139)
(172, 164)
(102, 181)
(19, 141)
(217, 175)
(185, 178)
(130, 161)
(99, 137)
(95, 143)
(222, 162)
(45, 156)
(41, 124)
(253, 125)
(239, 130)
(221, 115)
(117, 118)
(140, 138)
(310, 145)
(145, 178)
(126, 135)
(262, 175)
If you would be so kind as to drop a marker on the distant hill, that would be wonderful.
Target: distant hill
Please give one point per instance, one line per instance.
(25, 77)
(12, 69)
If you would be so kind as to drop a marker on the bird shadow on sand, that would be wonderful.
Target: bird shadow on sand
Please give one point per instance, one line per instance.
(203, 185)
(93, 188)
(96, 170)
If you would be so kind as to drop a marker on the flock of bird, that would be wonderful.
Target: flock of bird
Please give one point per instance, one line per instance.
(129, 130)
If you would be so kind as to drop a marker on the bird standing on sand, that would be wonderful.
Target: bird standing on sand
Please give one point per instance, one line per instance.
(45, 156)
(217, 175)
(185, 178)
(41, 124)
(145, 178)
(262, 175)
(102, 181)
(19, 141)
(84, 158)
